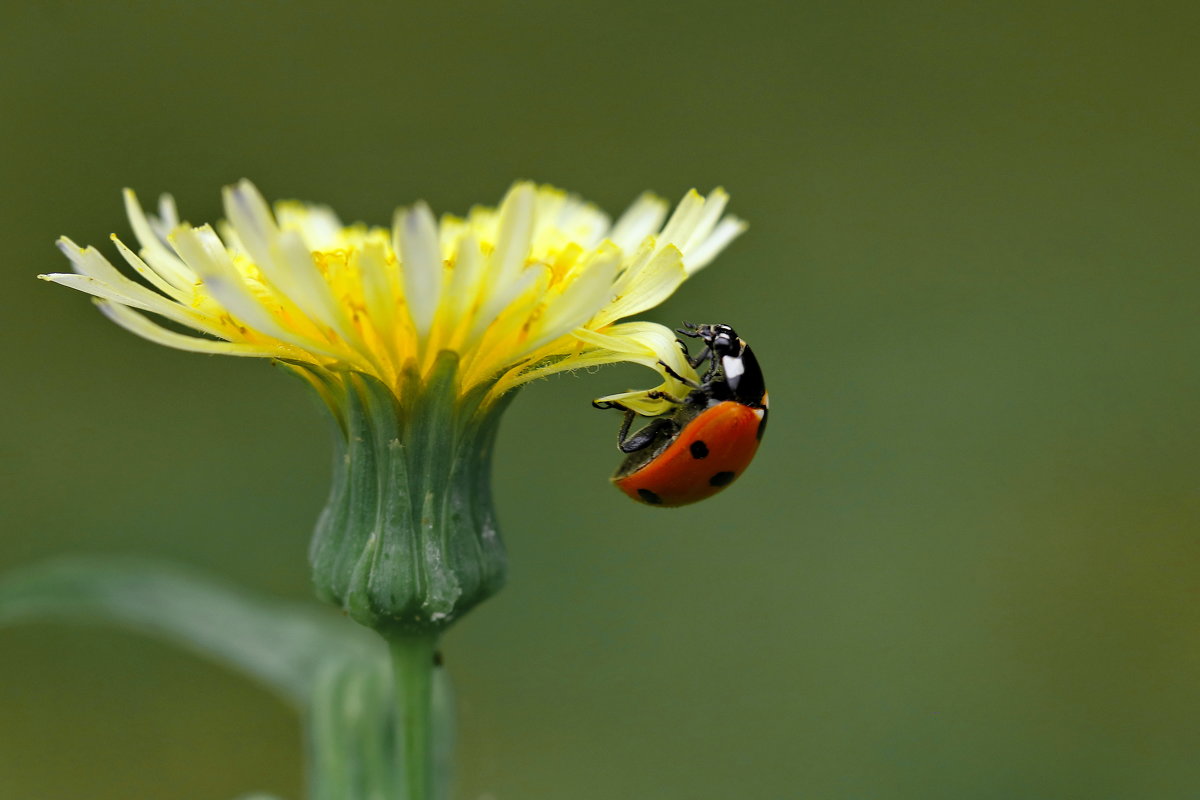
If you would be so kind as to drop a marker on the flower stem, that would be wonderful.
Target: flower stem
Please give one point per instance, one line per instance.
(412, 666)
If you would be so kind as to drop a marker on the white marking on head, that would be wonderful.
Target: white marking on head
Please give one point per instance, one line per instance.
(733, 369)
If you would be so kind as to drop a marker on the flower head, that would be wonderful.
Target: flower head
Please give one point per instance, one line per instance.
(535, 286)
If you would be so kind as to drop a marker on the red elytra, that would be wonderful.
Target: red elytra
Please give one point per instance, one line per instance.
(708, 454)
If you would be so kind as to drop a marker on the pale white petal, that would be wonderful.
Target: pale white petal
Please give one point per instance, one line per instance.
(167, 219)
(100, 278)
(450, 230)
(640, 220)
(134, 322)
(513, 236)
(90, 262)
(152, 277)
(250, 216)
(681, 224)
(319, 226)
(285, 259)
(468, 274)
(494, 350)
(548, 206)
(106, 291)
(700, 256)
(154, 249)
(307, 287)
(714, 205)
(202, 251)
(583, 221)
(559, 216)
(379, 285)
(229, 236)
(500, 301)
(420, 263)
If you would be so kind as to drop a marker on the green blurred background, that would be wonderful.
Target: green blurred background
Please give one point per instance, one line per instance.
(966, 562)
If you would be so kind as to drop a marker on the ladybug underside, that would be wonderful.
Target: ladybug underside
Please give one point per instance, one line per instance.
(662, 438)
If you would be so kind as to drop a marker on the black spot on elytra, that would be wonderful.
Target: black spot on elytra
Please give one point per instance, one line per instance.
(721, 479)
(699, 450)
(649, 496)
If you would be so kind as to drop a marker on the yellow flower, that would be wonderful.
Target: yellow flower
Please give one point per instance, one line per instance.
(533, 287)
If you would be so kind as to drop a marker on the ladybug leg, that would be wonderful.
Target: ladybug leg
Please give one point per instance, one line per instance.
(623, 432)
(699, 359)
(670, 398)
(677, 377)
(643, 438)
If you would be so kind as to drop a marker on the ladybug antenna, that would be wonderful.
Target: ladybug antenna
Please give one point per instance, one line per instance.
(689, 329)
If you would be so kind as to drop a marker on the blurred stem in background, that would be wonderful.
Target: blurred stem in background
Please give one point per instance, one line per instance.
(378, 724)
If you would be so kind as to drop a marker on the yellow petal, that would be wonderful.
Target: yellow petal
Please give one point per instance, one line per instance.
(639, 402)
(644, 286)
(134, 322)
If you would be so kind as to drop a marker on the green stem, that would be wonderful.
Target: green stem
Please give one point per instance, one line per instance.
(412, 666)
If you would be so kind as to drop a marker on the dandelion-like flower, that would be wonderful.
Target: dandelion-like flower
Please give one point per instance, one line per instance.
(519, 292)
(414, 336)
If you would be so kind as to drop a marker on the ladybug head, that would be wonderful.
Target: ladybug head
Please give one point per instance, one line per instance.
(722, 339)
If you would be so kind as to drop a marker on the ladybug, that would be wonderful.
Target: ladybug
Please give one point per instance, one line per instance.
(709, 438)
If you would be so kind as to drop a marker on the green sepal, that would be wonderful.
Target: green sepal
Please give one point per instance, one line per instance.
(408, 540)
